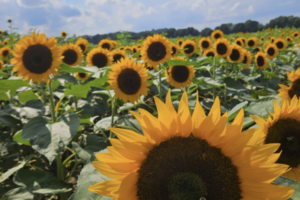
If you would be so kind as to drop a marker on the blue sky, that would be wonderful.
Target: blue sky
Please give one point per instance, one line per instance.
(90, 17)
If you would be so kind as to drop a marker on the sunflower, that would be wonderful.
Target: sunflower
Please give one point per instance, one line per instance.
(280, 43)
(209, 53)
(145, 65)
(252, 42)
(72, 54)
(5, 52)
(156, 49)
(63, 34)
(190, 47)
(239, 42)
(180, 156)
(139, 46)
(296, 34)
(294, 89)
(1, 64)
(5, 42)
(35, 57)
(128, 79)
(134, 49)
(121, 48)
(262, 38)
(117, 55)
(179, 42)
(257, 49)
(266, 44)
(174, 48)
(180, 76)
(289, 39)
(237, 54)
(99, 57)
(204, 44)
(82, 76)
(247, 57)
(128, 49)
(261, 60)
(83, 44)
(284, 127)
(217, 34)
(105, 44)
(1, 31)
(244, 39)
(222, 48)
(272, 39)
(271, 51)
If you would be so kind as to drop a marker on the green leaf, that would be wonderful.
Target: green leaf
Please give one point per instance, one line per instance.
(3, 96)
(11, 171)
(12, 85)
(40, 182)
(88, 177)
(50, 139)
(19, 193)
(27, 96)
(82, 154)
(181, 62)
(208, 81)
(234, 111)
(98, 82)
(247, 122)
(8, 120)
(66, 68)
(234, 85)
(104, 123)
(283, 181)
(260, 107)
(78, 91)
(131, 123)
(18, 138)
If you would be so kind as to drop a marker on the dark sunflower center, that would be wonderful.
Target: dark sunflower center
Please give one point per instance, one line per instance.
(260, 61)
(221, 49)
(129, 81)
(82, 75)
(180, 43)
(5, 53)
(64, 34)
(245, 60)
(287, 133)
(288, 39)
(251, 43)
(205, 44)
(117, 57)
(70, 56)
(106, 46)
(190, 48)
(186, 186)
(37, 58)
(180, 73)
(271, 51)
(156, 51)
(295, 89)
(262, 38)
(188, 168)
(82, 47)
(235, 55)
(279, 45)
(134, 50)
(296, 35)
(239, 43)
(211, 54)
(174, 50)
(217, 35)
(99, 60)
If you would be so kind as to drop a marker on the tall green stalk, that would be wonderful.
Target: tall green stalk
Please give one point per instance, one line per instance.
(214, 77)
(113, 107)
(159, 83)
(60, 172)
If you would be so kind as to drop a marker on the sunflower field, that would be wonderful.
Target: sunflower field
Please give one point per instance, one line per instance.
(159, 118)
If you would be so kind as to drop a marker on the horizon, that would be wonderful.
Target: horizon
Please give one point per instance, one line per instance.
(91, 17)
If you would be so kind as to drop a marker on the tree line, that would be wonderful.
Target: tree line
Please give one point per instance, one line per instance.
(228, 28)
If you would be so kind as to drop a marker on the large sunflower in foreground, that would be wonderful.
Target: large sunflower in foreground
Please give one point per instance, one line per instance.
(222, 48)
(188, 47)
(83, 44)
(72, 54)
(261, 60)
(99, 57)
(35, 57)
(284, 128)
(180, 76)
(128, 79)
(288, 93)
(217, 34)
(156, 49)
(186, 157)
(5, 52)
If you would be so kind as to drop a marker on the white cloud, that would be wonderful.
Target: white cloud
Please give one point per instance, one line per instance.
(165, 5)
(235, 6)
(250, 9)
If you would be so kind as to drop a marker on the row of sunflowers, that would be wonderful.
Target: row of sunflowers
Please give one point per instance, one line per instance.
(158, 118)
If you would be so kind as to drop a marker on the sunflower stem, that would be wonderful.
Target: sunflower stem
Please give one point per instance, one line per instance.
(225, 99)
(43, 92)
(60, 172)
(214, 77)
(112, 115)
(159, 83)
(75, 100)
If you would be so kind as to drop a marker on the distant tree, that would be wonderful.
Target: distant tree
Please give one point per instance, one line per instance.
(206, 32)
(251, 26)
(239, 27)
